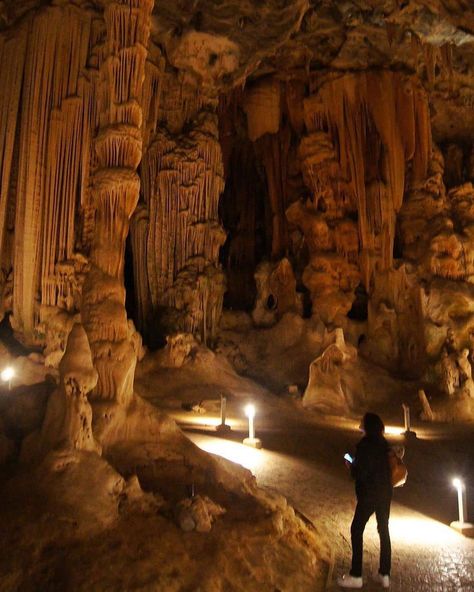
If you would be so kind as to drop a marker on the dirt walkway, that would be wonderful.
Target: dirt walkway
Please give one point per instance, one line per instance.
(302, 461)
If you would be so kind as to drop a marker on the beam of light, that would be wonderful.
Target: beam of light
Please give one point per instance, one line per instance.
(394, 430)
(422, 433)
(204, 422)
(421, 531)
(250, 458)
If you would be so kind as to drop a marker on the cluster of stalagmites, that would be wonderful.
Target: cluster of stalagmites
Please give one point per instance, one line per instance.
(106, 141)
(366, 226)
(69, 186)
(95, 113)
(378, 224)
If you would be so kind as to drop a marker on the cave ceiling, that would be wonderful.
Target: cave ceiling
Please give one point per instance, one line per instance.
(270, 34)
(221, 44)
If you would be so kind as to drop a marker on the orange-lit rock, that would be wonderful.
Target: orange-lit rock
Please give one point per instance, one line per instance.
(302, 171)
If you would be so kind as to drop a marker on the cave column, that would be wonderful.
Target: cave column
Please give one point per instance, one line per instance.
(176, 233)
(115, 192)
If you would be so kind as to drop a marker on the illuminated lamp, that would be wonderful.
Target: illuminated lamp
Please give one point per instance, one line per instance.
(462, 525)
(251, 440)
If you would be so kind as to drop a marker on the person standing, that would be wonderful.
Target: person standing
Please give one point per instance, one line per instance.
(371, 471)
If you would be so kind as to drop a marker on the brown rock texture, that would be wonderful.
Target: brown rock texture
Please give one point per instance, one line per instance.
(302, 171)
(155, 158)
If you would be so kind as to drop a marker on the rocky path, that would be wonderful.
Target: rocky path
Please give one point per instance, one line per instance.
(303, 463)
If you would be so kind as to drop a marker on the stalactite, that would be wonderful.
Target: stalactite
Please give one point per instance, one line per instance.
(274, 153)
(430, 55)
(365, 131)
(139, 234)
(392, 31)
(262, 104)
(242, 209)
(152, 93)
(62, 174)
(416, 47)
(170, 103)
(422, 155)
(374, 117)
(446, 52)
(294, 94)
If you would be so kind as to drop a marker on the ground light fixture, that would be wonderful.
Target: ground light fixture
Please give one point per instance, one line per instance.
(408, 433)
(251, 440)
(7, 375)
(462, 525)
(223, 426)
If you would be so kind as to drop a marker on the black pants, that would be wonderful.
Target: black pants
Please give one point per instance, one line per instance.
(364, 510)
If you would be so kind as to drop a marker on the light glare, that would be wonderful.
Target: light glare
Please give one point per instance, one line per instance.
(250, 411)
(248, 457)
(420, 531)
(7, 374)
(393, 430)
(457, 483)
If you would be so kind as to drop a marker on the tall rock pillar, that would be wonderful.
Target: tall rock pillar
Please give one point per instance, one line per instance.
(115, 190)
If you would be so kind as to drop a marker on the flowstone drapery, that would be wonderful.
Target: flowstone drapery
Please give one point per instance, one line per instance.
(364, 132)
(44, 123)
(176, 233)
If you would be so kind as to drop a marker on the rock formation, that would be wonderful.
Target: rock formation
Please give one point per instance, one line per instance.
(114, 192)
(328, 389)
(330, 139)
(359, 142)
(276, 293)
(302, 170)
(67, 424)
(198, 513)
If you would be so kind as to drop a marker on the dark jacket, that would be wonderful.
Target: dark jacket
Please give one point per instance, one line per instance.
(371, 469)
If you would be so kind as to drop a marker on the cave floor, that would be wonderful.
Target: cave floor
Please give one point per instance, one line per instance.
(302, 459)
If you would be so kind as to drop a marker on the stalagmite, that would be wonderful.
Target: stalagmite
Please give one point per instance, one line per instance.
(326, 389)
(68, 421)
(276, 293)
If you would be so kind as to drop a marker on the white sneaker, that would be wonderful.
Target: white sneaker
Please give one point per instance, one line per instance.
(384, 581)
(348, 581)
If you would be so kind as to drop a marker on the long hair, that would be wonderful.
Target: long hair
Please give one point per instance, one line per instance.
(373, 425)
